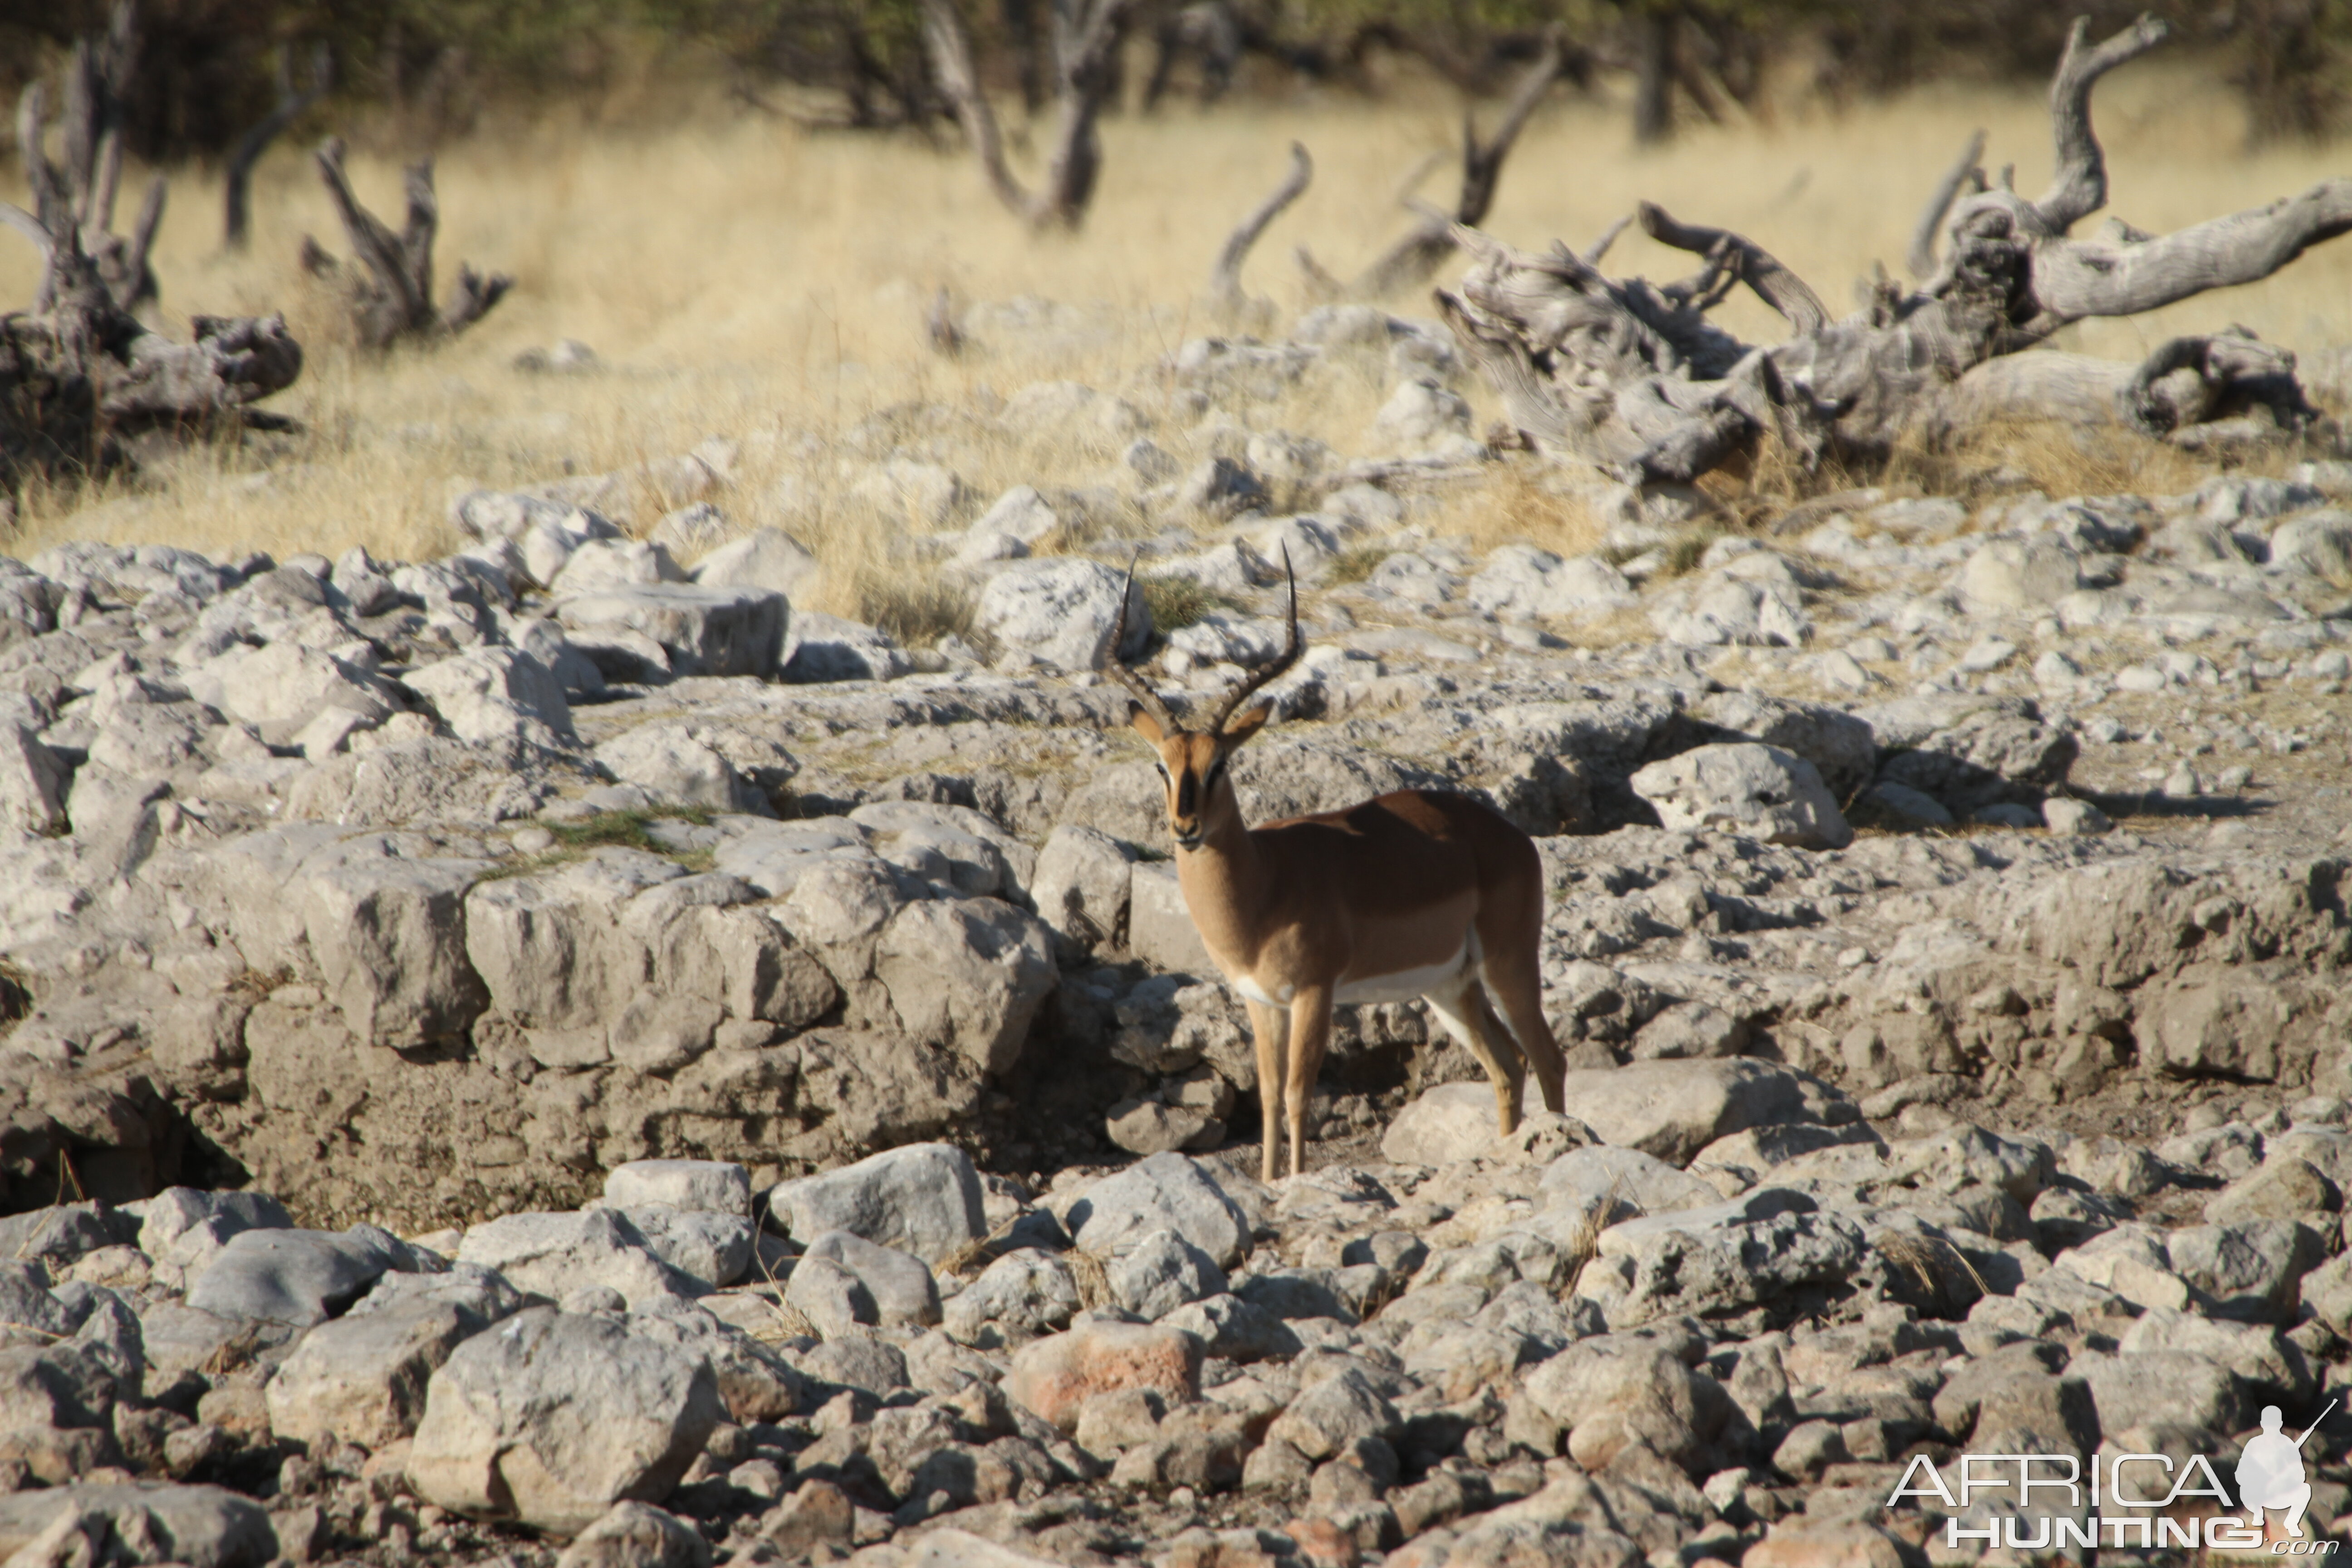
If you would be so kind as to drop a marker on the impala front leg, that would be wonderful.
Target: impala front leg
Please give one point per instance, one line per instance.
(1271, 1025)
(1310, 1033)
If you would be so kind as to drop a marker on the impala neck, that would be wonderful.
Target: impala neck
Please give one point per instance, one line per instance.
(1227, 873)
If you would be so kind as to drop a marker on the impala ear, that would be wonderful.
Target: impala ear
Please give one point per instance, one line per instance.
(1242, 726)
(1144, 724)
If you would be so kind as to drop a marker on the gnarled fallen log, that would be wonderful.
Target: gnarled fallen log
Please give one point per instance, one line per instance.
(78, 371)
(1634, 377)
(390, 289)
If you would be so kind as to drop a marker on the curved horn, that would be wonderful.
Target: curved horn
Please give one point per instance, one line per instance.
(1117, 668)
(1243, 692)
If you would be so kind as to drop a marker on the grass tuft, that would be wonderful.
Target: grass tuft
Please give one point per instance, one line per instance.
(1177, 600)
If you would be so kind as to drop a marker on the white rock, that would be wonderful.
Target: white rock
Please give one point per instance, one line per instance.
(923, 1198)
(1519, 581)
(1419, 412)
(2020, 573)
(711, 1186)
(674, 765)
(551, 1418)
(1161, 1192)
(765, 558)
(1063, 611)
(601, 564)
(552, 1255)
(1021, 512)
(495, 695)
(1773, 795)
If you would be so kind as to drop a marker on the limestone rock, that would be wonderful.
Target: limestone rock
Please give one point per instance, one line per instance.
(1775, 795)
(550, 1419)
(924, 1198)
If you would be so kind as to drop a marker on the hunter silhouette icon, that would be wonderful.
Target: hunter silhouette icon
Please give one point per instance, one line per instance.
(2269, 1473)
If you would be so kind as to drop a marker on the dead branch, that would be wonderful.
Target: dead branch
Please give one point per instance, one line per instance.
(1964, 171)
(2079, 186)
(1747, 262)
(940, 323)
(292, 104)
(1226, 279)
(1086, 34)
(1413, 259)
(1635, 376)
(392, 299)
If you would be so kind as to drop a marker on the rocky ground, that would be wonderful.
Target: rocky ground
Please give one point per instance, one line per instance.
(554, 1052)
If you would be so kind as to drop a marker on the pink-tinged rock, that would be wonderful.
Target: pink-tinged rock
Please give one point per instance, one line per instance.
(1054, 1377)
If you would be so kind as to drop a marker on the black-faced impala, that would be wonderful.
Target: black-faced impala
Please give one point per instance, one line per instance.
(1419, 893)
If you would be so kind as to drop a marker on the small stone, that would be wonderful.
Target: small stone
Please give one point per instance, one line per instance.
(2074, 818)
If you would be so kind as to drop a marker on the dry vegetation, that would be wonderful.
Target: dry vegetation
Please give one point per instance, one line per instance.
(737, 274)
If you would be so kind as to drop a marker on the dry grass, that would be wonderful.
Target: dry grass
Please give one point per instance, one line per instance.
(740, 276)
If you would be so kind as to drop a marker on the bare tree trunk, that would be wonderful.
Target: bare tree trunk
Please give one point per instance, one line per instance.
(1226, 279)
(79, 371)
(391, 300)
(292, 104)
(1412, 260)
(1634, 377)
(1653, 76)
(1086, 47)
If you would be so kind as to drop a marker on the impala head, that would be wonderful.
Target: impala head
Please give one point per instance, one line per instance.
(1193, 761)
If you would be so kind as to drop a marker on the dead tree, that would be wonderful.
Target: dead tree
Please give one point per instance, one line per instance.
(1226, 279)
(78, 371)
(390, 283)
(1086, 39)
(1412, 260)
(292, 104)
(1634, 377)
(91, 138)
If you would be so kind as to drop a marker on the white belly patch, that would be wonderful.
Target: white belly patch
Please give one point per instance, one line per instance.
(1403, 986)
(1407, 983)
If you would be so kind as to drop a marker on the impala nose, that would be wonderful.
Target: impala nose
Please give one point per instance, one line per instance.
(1188, 835)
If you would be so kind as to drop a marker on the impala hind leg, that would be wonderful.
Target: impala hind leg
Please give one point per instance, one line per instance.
(1310, 1033)
(1467, 1017)
(1271, 1026)
(1514, 982)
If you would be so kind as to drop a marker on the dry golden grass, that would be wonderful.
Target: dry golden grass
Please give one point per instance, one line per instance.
(738, 275)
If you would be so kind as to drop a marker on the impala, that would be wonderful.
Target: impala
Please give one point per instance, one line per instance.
(1418, 894)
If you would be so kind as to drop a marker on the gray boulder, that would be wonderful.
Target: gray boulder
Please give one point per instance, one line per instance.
(495, 694)
(901, 1285)
(766, 557)
(552, 1255)
(632, 1535)
(551, 1418)
(1763, 790)
(703, 629)
(1674, 1109)
(1061, 611)
(1162, 1192)
(967, 974)
(707, 1186)
(1020, 1295)
(136, 1522)
(361, 1378)
(301, 1277)
(923, 1198)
